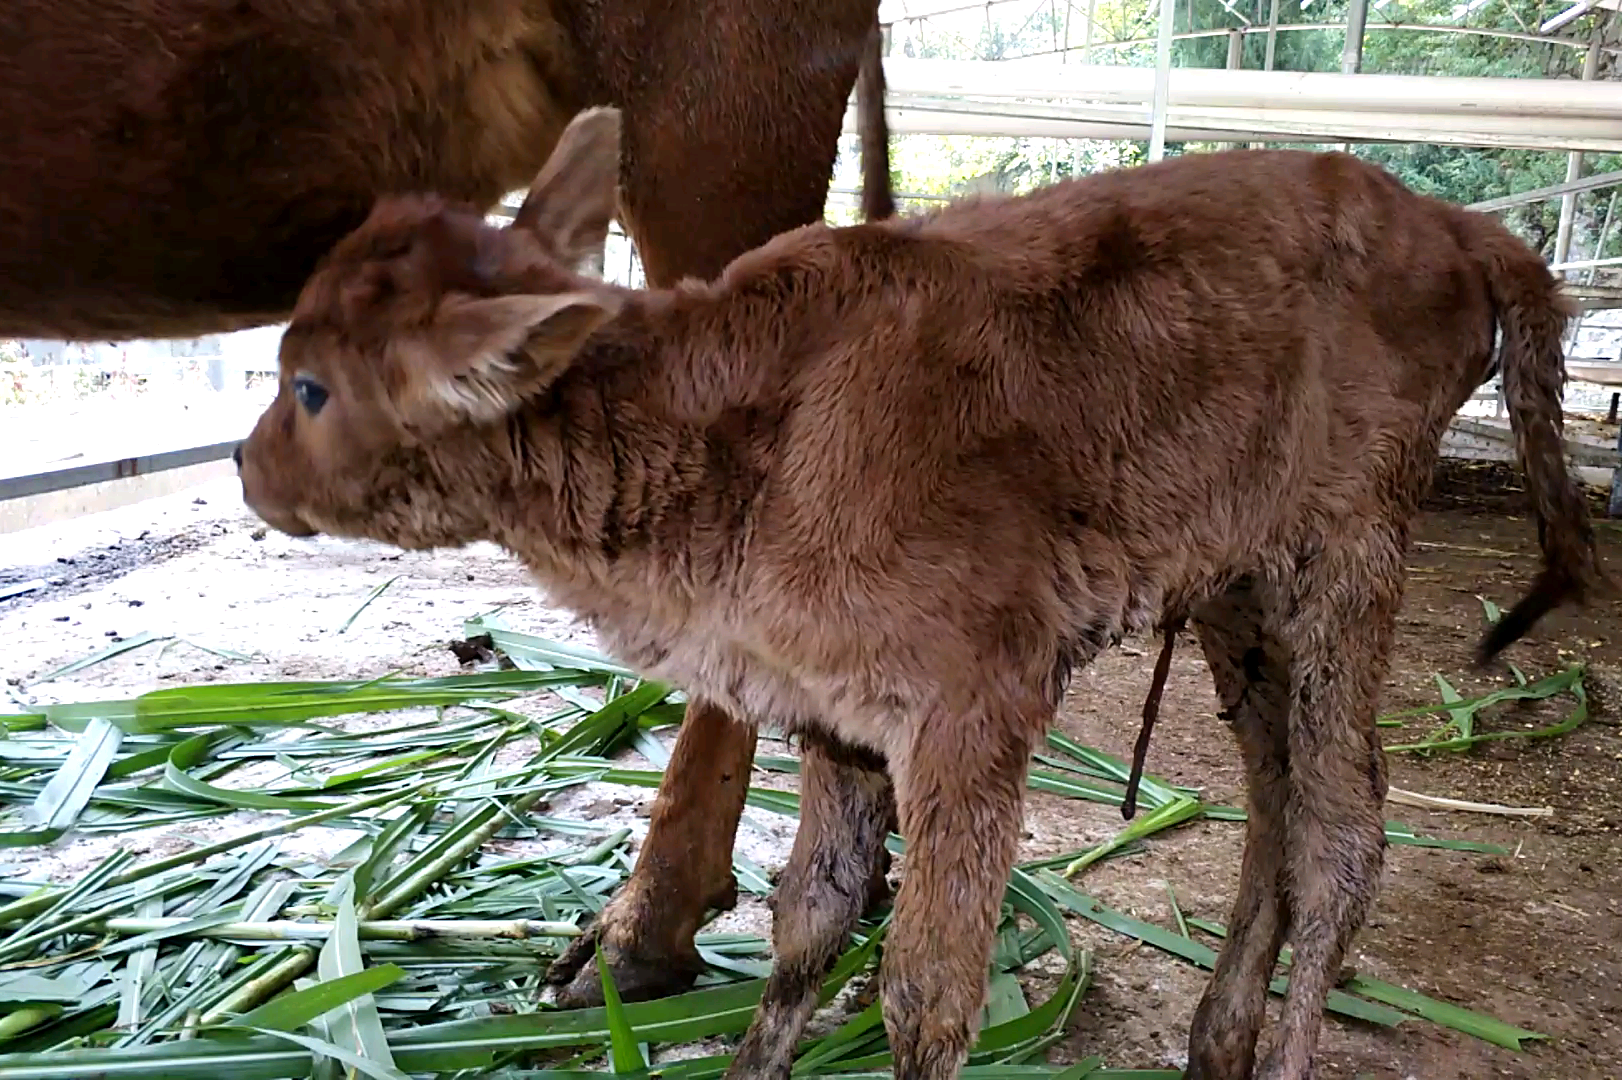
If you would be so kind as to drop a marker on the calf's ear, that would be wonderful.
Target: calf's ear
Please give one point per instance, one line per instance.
(480, 357)
(575, 194)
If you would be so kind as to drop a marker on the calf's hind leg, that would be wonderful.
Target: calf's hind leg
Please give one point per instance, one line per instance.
(1252, 674)
(846, 812)
(1340, 629)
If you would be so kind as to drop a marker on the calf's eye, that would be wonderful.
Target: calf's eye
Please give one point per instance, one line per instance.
(310, 394)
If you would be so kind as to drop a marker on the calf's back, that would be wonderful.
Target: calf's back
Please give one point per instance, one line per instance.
(1017, 427)
(1141, 378)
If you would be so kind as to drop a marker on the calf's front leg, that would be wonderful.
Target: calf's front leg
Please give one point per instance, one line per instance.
(846, 811)
(959, 787)
(683, 870)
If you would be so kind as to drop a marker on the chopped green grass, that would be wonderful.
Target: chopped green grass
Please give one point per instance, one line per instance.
(418, 951)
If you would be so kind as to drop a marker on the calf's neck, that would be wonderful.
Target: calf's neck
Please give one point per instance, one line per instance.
(888, 485)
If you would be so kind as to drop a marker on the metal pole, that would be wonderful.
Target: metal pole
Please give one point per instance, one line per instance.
(1236, 45)
(1576, 326)
(1272, 49)
(1236, 52)
(1087, 33)
(1591, 183)
(1157, 109)
(1574, 169)
(1351, 54)
(1272, 36)
(1069, 10)
(1614, 507)
(1604, 235)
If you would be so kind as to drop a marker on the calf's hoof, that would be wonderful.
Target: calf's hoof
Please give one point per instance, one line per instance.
(1221, 1043)
(938, 1061)
(638, 975)
(647, 956)
(1275, 1067)
(1214, 1069)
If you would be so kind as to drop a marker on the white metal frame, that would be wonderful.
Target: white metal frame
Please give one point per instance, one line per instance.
(1050, 99)
(1047, 96)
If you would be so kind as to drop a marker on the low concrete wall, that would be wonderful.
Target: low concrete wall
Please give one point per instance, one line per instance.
(54, 506)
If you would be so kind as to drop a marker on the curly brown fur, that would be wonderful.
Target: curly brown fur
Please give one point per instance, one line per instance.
(887, 485)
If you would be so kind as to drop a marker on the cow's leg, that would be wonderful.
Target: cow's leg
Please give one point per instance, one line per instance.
(1252, 674)
(682, 872)
(1341, 623)
(706, 173)
(705, 176)
(846, 811)
(958, 793)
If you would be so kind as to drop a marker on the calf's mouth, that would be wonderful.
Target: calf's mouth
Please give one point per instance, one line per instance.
(282, 518)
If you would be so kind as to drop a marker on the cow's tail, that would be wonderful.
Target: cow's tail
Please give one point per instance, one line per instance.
(878, 202)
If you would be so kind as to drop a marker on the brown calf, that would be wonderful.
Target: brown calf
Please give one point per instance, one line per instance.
(177, 167)
(889, 484)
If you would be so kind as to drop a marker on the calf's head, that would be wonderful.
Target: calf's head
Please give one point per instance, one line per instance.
(418, 334)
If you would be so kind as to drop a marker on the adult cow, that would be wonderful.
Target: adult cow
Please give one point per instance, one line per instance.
(176, 167)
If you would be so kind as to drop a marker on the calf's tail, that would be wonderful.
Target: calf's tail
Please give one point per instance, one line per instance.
(1532, 317)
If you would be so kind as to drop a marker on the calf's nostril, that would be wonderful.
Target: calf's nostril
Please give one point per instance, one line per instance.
(236, 455)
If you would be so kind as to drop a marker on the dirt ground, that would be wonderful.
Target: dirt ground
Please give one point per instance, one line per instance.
(1535, 938)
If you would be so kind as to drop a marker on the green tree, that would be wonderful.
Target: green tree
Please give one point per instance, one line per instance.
(1458, 174)
(944, 165)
